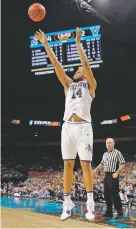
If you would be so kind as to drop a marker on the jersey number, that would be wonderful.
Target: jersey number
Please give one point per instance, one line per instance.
(77, 93)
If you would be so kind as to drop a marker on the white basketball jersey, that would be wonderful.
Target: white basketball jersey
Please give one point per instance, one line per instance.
(78, 101)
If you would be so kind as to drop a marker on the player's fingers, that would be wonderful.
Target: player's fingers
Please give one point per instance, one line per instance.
(37, 33)
(77, 29)
(40, 31)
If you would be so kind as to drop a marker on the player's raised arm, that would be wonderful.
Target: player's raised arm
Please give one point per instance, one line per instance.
(87, 69)
(63, 78)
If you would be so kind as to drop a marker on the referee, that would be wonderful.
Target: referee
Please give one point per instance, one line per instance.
(113, 162)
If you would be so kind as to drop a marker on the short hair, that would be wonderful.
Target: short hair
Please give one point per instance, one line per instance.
(111, 139)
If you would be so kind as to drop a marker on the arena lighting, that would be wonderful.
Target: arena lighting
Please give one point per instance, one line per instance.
(105, 122)
(44, 123)
(125, 118)
(15, 122)
(36, 134)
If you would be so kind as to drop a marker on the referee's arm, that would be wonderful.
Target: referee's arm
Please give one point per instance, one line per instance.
(121, 162)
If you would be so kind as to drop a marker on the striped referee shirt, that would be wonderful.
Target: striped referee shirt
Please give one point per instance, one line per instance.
(111, 160)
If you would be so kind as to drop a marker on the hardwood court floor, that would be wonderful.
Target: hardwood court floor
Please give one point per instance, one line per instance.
(12, 218)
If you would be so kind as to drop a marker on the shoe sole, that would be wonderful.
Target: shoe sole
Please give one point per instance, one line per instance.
(90, 219)
(121, 217)
(66, 218)
(70, 214)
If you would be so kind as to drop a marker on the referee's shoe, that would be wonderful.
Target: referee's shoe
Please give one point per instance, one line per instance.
(108, 215)
(119, 215)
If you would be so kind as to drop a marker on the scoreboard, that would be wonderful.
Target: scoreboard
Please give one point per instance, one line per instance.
(64, 46)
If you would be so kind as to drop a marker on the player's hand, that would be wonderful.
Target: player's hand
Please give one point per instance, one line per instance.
(41, 36)
(115, 175)
(94, 172)
(78, 34)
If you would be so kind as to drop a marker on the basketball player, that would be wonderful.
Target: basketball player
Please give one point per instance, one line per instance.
(77, 134)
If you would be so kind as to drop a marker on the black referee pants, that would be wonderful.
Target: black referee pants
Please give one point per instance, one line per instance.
(111, 193)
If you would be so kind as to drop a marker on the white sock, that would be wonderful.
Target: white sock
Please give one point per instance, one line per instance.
(90, 202)
(67, 197)
(90, 196)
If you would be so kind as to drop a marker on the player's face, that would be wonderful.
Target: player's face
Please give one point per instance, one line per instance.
(110, 144)
(79, 75)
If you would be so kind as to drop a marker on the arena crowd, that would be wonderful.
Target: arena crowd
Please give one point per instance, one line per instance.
(50, 185)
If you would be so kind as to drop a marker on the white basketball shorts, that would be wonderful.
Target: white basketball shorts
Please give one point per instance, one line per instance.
(77, 138)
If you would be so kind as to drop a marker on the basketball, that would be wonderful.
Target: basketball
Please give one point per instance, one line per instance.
(36, 12)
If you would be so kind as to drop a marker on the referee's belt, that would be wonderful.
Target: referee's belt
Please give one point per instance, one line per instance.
(75, 118)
